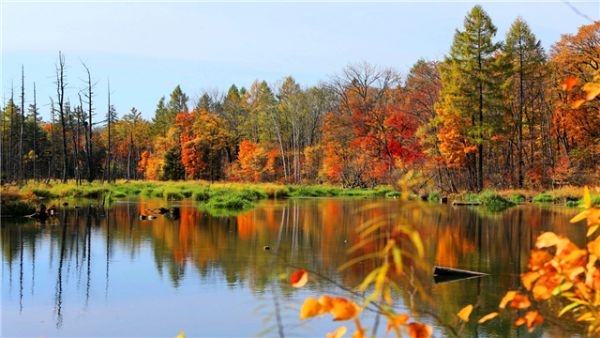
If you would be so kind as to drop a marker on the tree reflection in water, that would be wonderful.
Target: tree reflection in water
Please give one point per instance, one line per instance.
(316, 234)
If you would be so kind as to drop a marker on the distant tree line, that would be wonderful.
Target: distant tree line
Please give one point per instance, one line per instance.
(490, 114)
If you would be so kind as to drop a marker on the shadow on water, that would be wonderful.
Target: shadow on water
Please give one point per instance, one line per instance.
(197, 257)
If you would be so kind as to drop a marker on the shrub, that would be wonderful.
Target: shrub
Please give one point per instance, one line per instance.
(200, 195)
(172, 194)
(517, 198)
(43, 193)
(393, 194)
(234, 202)
(493, 201)
(543, 198)
(434, 197)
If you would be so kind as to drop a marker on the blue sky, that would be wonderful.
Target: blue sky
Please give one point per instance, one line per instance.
(147, 48)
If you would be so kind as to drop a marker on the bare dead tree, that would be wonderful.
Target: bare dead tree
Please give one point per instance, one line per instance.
(11, 145)
(109, 116)
(34, 111)
(60, 92)
(88, 132)
(22, 124)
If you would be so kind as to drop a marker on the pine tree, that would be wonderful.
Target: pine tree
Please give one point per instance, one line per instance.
(526, 58)
(469, 87)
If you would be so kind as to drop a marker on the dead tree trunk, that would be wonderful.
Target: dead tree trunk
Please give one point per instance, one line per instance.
(60, 91)
(21, 126)
(88, 131)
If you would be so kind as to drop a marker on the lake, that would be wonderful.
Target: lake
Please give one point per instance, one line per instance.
(93, 272)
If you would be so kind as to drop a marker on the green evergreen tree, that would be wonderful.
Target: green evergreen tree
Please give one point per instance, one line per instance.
(526, 57)
(470, 85)
(173, 168)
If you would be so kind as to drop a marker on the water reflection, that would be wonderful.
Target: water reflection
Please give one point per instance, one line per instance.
(106, 266)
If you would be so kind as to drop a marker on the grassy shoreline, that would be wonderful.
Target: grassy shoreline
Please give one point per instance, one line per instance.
(216, 196)
(18, 201)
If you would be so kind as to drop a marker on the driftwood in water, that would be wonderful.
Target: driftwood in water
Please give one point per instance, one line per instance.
(465, 203)
(445, 274)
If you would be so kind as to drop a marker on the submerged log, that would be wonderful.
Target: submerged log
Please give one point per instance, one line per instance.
(465, 203)
(445, 274)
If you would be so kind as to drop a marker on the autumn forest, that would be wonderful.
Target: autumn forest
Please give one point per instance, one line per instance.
(496, 112)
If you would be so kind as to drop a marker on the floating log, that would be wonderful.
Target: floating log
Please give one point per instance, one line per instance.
(445, 274)
(465, 203)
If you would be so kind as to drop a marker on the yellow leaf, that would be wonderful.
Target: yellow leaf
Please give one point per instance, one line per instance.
(310, 308)
(489, 316)
(465, 313)
(339, 333)
(181, 334)
(507, 298)
(592, 89)
(587, 198)
(299, 278)
(546, 239)
(580, 217)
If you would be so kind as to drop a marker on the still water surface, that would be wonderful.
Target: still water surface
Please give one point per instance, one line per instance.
(91, 272)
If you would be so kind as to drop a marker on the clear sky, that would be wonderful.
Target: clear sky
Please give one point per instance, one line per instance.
(147, 48)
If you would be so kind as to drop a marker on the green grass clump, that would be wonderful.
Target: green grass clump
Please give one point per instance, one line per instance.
(42, 193)
(393, 194)
(434, 197)
(493, 201)
(543, 198)
(517, 198)
(171, 194)
(229, 201)
(472, 198)
(200, 195)
(159, 192)
(118, 194)
(92, 192)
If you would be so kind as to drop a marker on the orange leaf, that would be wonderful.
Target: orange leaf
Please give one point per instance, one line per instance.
(489, 316)
(465, 313)
(299, 278)
(509, 296)
(326, 303)
(569, 83)
(538, 258)
(520, 301)
(417, 330)
(546, 239)
(400, 320)
(339, 333)
(578, 103)
(310, 308)
(541, 292)
(594, 247)
(531, 318)
(528, 278)
(344, 309)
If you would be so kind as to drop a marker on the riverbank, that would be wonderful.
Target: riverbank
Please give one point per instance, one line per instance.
(226, 196)
(18, 201)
